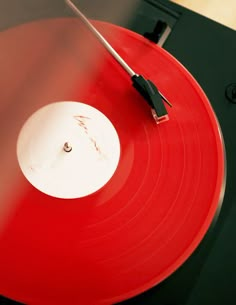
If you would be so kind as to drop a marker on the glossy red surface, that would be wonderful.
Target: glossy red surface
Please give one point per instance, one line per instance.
(152, 214)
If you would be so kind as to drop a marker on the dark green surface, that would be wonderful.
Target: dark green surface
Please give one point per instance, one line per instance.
(208, 51)
(217, 280)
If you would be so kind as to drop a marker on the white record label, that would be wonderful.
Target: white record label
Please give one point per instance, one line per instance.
(68, 149)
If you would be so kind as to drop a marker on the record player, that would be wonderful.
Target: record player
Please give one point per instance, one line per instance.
(207, 49)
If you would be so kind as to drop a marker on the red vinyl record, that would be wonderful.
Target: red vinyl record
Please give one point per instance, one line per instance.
(138, 228)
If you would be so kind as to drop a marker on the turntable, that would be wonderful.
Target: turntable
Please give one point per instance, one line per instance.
(118, 155)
